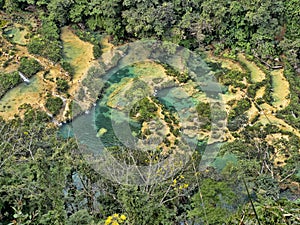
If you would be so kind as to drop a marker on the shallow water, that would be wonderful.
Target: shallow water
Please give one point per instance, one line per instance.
(77, 52)
(281, 89)
(23, 93)
(103, 116)
(18, 34)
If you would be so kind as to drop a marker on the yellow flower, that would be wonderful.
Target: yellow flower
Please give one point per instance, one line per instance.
(115, 223)
(183, 186)
(174, 182)
(123, 217)
(108, 220)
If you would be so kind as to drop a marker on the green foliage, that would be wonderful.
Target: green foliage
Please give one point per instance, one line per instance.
(54, 104)
(37, 168)
(145, 110)
(182, 77)
(46, 48)
(2, 22)
(242, 106)
(47, 42)
(253, 88)
(267, 187)
(97, 52)
(8, 81)
(214, 204)
(141, 208)
(234, 78)
(204, 113)
(67, 67)
(49, 29)
(32, 173)
(31, 114)
(29, 66)
(278, 212)
(237, 116)
(264, 28)
(62, 85)
(203, 109)
(291, 113)
(81, 217)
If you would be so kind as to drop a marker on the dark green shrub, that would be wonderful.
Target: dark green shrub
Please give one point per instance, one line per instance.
(45, 48)
(29, 66)
(62, 85)
(68, 67)
(54, 104)
(97, 52)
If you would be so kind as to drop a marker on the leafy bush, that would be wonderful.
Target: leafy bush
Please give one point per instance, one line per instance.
(97, 52)
(45, 48)
(144, 109)
(80, 217)
(68, 67)
(62, 85)
(54, 104)
(8, 81)
(29, 66)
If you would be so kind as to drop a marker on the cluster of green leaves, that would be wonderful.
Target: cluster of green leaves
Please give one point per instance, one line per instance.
(29, 66)
(45, 48)
(182, 77)
(67, 67)
(44, 181)
(97, 51)
(8, 81)
(237, 116)
(62, 85)
(46, 43)
(234, 78)
(33, 168)
(38, 179)
(144, 110)
(204, 113)
(253, 88)
(54, 104)
(267, 180)
(263, 28)
(214, 203)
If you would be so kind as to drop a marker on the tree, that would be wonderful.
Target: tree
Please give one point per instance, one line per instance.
(29, 66)
(34, 164)
(8, 81)
(214, 204)
(62, 85)
(54, 104)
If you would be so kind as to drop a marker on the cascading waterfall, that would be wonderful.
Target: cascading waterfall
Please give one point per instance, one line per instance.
(25, 79)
